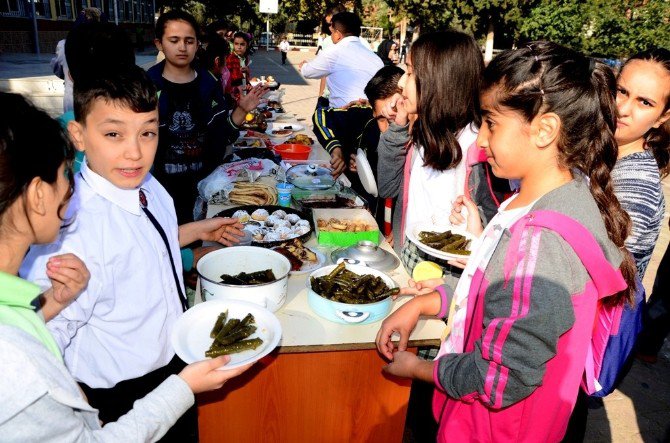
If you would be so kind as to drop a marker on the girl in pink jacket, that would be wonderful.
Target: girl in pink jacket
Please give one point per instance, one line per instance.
(521, 316)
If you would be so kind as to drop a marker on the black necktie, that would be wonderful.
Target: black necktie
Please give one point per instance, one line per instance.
(145, 204)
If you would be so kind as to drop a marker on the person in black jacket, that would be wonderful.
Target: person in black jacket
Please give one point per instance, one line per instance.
(341, 131)
(196, 121)
(388, 52)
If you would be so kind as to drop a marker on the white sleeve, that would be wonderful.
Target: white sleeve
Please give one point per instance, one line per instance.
(153, 415)
(64, 326)
(321, 66)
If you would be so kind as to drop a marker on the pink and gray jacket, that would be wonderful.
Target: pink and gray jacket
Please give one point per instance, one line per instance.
(527, 333)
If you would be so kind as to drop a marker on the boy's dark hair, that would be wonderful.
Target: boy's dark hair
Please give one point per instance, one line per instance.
(26, 153)
(93, 48)
(544, 77)
(384, 84)
(347, 23)
(447, 70)
(217, 47)
(658, 139)
(244, 35)
(175, 14)
(335, 9)
(218, 25)
(130, 87)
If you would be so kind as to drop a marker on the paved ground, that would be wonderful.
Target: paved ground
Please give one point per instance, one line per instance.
(638, 412)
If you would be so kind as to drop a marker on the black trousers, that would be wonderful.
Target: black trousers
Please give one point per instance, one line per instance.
(117, 401)
(283, 57)
(656, 320)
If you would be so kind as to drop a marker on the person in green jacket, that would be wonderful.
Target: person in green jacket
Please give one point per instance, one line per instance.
(39, 399)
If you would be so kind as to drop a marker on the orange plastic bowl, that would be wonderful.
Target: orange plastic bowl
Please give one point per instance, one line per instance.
(292, 151)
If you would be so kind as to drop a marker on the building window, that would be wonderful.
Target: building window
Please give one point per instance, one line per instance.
(97, 4)
(119, 10)
(129, 11)
(63, 9)
(11, 7)
(25, 9)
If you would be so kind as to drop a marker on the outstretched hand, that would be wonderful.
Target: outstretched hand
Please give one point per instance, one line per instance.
(205, 375)
(421, 287)
(224, 230)
(251, 100)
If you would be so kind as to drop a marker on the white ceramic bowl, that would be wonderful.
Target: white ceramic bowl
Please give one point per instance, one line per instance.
(238, 259)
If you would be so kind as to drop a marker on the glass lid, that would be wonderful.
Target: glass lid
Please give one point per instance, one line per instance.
(310, 177)
(368, 253)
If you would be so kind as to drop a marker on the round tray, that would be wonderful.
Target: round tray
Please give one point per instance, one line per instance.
(270, 208)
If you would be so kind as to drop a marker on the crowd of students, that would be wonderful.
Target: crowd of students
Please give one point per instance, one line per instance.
(90, 358)
(571, 138)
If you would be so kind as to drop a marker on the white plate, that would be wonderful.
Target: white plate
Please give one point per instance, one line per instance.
(413, 236)
(365, 173)
(190, 337)
(278, 136)
(288, 125)
(320, 261)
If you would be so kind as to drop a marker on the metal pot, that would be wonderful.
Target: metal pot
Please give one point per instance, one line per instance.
(238, 259)
(369, 254)
(349, 313)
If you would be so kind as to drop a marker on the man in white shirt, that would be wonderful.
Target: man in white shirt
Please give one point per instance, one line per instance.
(348, 64)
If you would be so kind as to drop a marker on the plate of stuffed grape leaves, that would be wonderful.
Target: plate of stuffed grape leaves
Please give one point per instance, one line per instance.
(442, 241)
(245, 331)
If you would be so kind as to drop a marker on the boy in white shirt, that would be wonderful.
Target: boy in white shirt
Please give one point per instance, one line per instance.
(284, 47)
(115, 337)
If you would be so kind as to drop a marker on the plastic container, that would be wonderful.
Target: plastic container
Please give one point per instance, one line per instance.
(345, 238)
(290, 151)
(347, 313)
(284, 194)
(246, 239)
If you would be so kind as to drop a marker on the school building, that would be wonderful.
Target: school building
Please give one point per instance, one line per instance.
(54, 18)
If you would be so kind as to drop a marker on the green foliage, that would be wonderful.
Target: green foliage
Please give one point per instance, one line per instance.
(555, 21)
(429, 14)
(604, 28)
(504, 15)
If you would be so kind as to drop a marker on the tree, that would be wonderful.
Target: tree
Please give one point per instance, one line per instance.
(498, 20)
(562, 22)
(603, 28)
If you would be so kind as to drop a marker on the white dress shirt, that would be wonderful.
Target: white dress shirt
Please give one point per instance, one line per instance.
(120, 326)
(431, 192)
(348, 65)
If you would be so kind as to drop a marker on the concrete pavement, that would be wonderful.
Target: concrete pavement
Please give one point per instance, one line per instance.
(638, 412)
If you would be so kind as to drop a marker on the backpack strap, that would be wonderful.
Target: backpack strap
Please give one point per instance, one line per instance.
(606, 278)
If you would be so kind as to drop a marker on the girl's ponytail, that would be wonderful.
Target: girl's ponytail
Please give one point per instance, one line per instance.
(658, 140)
(546, 77)
(600, 160)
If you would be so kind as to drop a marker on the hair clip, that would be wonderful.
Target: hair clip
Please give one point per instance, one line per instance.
(532, 51)
(592, 65)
